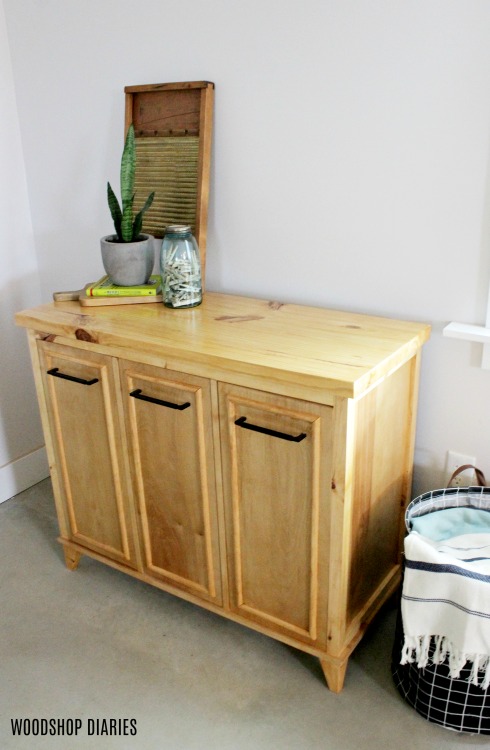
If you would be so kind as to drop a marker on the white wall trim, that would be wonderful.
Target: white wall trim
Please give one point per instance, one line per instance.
(468, 332)
(22, 473)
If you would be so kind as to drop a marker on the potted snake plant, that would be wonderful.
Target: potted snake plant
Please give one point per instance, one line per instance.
(128, 255)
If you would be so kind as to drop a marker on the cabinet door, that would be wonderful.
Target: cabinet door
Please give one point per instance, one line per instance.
(170, 430)
(81, 397)
(276, 466)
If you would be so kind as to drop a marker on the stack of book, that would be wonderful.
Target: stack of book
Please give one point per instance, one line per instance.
(104, 292)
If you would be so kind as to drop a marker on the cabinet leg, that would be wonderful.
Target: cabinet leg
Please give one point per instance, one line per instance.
(72, 558)
(334, 674)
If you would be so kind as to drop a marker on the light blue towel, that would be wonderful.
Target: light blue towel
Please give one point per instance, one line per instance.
(449, 522)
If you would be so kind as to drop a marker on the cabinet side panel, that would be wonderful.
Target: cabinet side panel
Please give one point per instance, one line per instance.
(383, 429)
(54, 469)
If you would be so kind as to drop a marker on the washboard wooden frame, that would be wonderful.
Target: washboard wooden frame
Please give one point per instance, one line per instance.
(173, 129)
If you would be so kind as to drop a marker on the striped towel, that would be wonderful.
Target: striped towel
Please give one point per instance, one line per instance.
(446, 592)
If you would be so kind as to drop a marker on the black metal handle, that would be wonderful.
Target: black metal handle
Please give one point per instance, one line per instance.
(242, 422)
(57, 374)
(138, 394)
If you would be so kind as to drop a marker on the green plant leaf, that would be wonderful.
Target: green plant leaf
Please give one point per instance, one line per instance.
(127, 222)
(115, 209)
(128, 165)
(138, 222)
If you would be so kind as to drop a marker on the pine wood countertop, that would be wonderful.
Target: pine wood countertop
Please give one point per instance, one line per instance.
(337, 352)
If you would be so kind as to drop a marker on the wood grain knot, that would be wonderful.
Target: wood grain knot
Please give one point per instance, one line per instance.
(333, 485)
(276, 305)
(83, 335)
(239, 318)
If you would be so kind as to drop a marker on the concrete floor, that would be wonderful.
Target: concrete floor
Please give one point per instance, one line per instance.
(96, 644)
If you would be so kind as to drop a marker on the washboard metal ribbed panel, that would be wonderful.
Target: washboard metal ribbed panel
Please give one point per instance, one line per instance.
(173, 126)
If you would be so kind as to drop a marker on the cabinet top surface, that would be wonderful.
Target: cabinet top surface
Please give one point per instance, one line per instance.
(342, 352)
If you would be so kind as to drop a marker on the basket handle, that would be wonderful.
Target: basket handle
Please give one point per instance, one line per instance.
(480, 477)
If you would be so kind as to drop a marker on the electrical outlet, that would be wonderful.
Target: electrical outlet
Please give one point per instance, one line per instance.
(454, 461)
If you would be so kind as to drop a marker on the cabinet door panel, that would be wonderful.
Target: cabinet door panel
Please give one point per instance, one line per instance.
(169, 418)
(81, 398)
(276, 461)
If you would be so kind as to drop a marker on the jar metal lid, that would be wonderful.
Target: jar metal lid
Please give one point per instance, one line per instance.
(178, 229)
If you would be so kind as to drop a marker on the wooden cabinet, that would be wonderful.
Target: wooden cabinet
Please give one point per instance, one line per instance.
(251, 457)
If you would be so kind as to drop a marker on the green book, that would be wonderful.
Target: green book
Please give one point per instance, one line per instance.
(105, 288)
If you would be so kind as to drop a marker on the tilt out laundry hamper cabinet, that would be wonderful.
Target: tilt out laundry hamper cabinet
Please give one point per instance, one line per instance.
(250, 456)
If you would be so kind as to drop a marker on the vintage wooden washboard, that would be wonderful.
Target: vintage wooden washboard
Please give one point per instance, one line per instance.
(173, 126)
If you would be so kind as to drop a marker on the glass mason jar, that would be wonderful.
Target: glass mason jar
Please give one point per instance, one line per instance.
(180, 267)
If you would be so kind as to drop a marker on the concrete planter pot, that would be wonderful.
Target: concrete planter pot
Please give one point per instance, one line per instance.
(128, 263)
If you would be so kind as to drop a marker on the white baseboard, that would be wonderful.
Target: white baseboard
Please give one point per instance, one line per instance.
(22, 473)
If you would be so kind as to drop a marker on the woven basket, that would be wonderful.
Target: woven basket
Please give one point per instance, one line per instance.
(453, 703)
